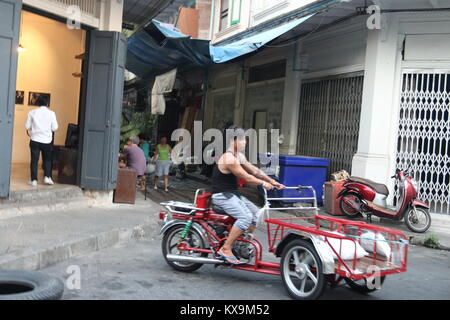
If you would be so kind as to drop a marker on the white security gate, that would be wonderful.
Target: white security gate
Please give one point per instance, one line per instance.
(424, 134)
(330, 112)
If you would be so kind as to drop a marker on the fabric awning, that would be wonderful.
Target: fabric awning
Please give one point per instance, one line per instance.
(220, 54)
(158, 48)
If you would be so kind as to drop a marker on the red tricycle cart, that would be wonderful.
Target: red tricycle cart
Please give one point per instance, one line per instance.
(308, 252)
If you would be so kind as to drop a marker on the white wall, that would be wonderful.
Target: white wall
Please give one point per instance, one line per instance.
(111, 15)
(253, 13)
(264, 10)
(336, 48)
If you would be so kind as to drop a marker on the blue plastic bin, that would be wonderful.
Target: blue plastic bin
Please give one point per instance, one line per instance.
(300, 170)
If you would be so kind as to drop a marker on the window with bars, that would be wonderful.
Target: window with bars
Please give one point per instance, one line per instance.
(329, 119)
(224, 5)
(423, 144)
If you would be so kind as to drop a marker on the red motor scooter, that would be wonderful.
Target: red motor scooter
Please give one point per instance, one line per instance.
(365, 196)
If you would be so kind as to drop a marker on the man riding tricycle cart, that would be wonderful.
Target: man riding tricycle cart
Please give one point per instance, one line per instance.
(313, 250)
(217, 228)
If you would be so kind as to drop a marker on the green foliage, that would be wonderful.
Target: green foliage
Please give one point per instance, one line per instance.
(135, 123)
(431, 241)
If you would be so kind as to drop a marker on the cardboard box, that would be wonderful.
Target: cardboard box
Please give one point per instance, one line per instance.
(332, 189)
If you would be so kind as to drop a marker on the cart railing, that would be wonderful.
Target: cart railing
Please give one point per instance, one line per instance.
(322, 228)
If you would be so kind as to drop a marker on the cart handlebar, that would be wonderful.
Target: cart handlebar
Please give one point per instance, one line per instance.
(267, 207)
(314, 197)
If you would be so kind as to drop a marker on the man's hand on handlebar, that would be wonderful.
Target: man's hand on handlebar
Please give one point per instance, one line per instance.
(267, 186)
(273, 184)
(278, 185)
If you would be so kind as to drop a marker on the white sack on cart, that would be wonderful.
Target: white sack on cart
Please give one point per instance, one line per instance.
(325, 252)
(383, 248)
(347, 252)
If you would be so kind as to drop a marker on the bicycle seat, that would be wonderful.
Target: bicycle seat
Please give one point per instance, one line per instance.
(378, 187)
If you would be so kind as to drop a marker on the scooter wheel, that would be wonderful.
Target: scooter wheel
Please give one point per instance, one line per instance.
(346, 209)
(169, 246)
(419, 222)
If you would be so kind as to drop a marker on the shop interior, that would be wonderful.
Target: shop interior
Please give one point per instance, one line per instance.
(50, 63)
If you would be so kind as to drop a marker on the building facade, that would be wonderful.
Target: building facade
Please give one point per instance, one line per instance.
(73, 52)
(371, 95)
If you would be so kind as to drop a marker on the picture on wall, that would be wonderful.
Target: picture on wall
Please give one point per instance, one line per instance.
(33, 98)
(20, 97)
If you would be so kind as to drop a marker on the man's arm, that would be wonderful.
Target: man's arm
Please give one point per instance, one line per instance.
(54, 122)
(232, 164)
(258, 173)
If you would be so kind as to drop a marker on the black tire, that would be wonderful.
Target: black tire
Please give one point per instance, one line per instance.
(362, 287)
(26, 285)
(345, 210)
(317, 289)
(410, 224)
(174, 232)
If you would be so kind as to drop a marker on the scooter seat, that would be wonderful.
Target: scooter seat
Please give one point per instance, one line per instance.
(378, 187)
(217, 209)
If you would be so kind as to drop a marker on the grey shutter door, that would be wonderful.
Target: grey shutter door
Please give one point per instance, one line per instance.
(103, 109)
(9, 41)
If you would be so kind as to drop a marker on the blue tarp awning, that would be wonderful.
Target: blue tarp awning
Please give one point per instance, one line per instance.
(158, 48)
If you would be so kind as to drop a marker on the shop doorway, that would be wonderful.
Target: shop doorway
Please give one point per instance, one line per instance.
(94, 101)
(50, 63)
(330, 110)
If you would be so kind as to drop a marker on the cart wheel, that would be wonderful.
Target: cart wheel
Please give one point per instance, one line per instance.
(361, 286)
(301, 271)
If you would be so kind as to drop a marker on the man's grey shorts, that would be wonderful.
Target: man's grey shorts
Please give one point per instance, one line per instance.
(239, 207)
(162, 168)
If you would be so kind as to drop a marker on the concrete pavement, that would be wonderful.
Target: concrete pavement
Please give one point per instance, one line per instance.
(34, 241)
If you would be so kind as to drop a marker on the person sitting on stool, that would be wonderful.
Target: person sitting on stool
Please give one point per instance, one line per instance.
(135, 159)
